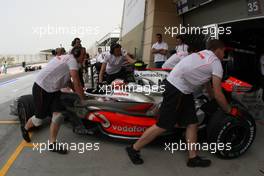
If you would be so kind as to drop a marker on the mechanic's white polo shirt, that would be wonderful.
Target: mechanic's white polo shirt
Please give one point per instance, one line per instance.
(160, 57)
(56, 74)
(195, 70)
(113, 63)
(99, 58)
(181, 48)
(174, 60)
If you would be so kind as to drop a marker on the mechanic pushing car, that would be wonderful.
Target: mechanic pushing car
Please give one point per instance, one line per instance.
(178, 109)
(60, 51)
(113, 64)
(177, 57)
(46, 92)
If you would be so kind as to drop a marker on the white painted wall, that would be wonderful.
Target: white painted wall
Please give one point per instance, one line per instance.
(133, 15)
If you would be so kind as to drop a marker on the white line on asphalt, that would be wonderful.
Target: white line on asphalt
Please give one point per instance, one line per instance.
(8, 82)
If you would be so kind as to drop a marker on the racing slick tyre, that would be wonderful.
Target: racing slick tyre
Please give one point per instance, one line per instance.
(236, 132)
(26, 108)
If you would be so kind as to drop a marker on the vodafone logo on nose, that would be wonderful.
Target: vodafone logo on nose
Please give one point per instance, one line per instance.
(132, 129)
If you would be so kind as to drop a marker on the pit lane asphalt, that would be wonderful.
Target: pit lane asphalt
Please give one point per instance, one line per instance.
(19, 158)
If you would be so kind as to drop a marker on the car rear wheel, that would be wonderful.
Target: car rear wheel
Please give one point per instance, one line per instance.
(236, 133)
(26, 108)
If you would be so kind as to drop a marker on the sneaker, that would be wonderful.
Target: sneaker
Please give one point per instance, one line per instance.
(134, 155)
(54, 147)
(198, 162)
(25, 134)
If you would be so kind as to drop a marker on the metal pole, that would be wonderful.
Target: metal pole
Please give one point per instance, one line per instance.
(135, 53)
(92, 76)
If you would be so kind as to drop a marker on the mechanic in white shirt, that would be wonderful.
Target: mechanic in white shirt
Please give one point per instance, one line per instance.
(113, 63)
(159, 50)
(178, 106)
(174, 60)
(177, 57)
(60, 72)
(76, 42)
(180, 45)
(60, 51)
(99, 58)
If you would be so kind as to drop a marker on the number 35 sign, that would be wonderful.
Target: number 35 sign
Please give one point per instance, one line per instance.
(253, 7)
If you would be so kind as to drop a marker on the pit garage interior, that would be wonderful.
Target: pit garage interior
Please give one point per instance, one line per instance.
(244, 44)
(244, 49)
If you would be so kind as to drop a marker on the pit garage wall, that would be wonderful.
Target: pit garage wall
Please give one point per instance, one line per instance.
(132, 26)
(221, 11)
(158, 15)
(132, 41)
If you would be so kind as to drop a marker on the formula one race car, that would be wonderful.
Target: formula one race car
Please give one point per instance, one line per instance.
(32, 68)
(127, 119)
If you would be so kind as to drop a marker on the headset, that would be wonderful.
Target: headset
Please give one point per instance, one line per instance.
(76, 51)
(113, 47)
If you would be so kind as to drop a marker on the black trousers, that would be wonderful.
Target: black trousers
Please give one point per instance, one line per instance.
(119, 75)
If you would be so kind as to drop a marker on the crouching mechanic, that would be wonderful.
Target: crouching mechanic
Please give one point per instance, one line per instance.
(46, 92)
(178, 106)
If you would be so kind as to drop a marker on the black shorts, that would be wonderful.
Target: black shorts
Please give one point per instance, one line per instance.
(176, 108)
(46, 103)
